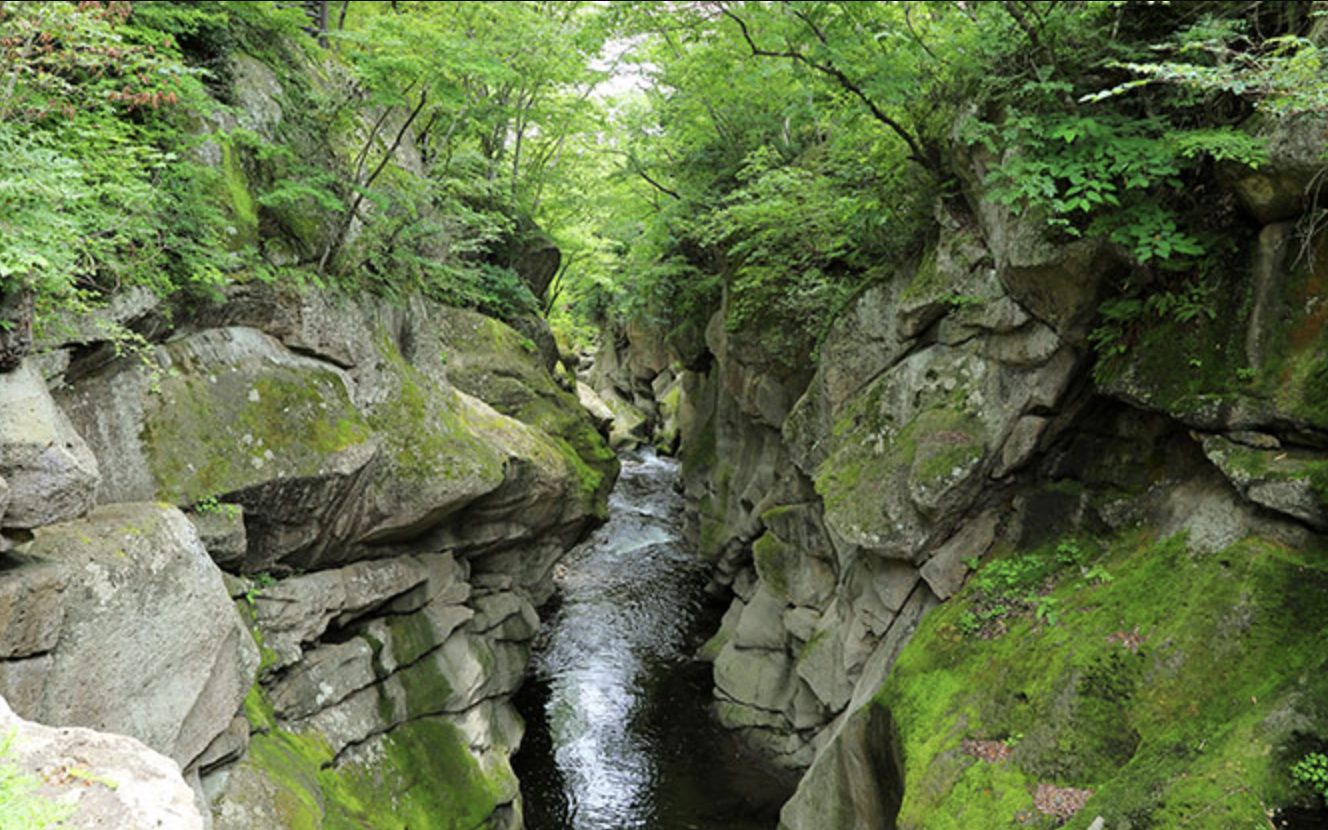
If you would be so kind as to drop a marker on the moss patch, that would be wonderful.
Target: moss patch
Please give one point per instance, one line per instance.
(424, 429)
(424, 779)
(1175, 691)
(773, 559)
(215, 434)
(239, 200)
(931, 452)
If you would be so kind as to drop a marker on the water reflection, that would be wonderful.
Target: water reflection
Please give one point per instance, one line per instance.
(629, 744)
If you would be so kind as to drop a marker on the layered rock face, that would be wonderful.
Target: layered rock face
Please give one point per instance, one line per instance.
(293, 549)
(957, 414)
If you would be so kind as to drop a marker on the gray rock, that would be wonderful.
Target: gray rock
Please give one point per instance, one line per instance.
(146, 615)
(228, 747)
(757, 678)
(761, 624)
(324, 677)
(106, 782)
(22, 681)
(231, 413)
(51, 473)
(795, 558)
(850, 784)
(222, 533)
(124, 307)
(297, 611)
(1275, 191)
(32, 606)
(842, 789)
(1020, 445)
(1279, 480)
(946, 570)
(595, 405)
(1269, 273)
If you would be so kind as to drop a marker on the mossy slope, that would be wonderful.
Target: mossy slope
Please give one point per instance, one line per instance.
(1179, 692)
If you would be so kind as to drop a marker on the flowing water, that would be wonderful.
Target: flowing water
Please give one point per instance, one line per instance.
(619, 733)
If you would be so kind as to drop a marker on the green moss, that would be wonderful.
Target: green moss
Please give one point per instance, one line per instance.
(871, 456)
(1174, 692)
(267, 658)
(425, 778)
(773, 559)
(426, 689)
(258, 710)
(239, 200)
(1314, 393)
(926, 283)
(221, 433)
(423, 428)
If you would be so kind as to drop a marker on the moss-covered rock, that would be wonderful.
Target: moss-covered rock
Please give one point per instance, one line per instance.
(1256, 359)
(492, 361)
(421, 776)
(1176, 688)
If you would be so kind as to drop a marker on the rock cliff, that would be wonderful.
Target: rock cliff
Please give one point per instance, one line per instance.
(977, 570)
(296, 547)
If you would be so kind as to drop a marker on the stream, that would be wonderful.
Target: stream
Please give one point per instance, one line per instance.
(619, 734)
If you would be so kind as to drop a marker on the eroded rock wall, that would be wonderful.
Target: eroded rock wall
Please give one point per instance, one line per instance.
(296, 546)
(958, 414)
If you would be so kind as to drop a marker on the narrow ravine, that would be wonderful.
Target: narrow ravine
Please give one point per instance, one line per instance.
(619, 733)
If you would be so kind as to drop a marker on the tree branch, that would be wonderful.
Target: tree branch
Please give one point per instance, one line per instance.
(335, 242)
(916, 152)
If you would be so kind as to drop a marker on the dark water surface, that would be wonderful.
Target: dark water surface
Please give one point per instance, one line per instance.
(618, 728)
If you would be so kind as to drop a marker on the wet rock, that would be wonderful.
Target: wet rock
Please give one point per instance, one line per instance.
(51, 474)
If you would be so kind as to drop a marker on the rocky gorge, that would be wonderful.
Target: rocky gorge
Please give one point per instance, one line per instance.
(278, 556)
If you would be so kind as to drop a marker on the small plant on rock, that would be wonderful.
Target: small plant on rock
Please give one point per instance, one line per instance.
(20, 807)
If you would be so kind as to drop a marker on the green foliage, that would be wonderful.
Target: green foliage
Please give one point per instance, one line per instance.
(1008, 587)
(211, 505)
(97, 189)
(1103, 175)
(1312, 772)
(258, 583)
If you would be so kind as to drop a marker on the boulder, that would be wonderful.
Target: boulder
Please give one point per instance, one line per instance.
(51, 474)
(595, 405)
(145, 613)
(909, 453)
(1294, 483)
(230, 415)
(32, 606)
(103, 324)
(1277, 189)
(94, 780)
(233, 416)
